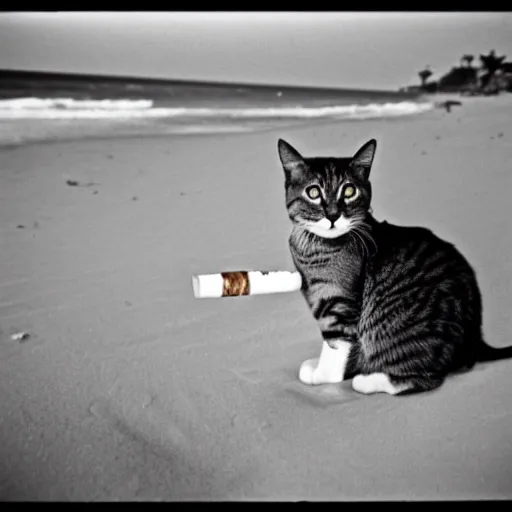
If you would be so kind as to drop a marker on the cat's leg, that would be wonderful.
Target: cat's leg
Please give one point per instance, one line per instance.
(330, 367)
(337, 319)
(380, 382)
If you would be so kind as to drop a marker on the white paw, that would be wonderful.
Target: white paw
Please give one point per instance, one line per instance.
(307, 370)
(311, 374)
(362, 384)
(375, 383)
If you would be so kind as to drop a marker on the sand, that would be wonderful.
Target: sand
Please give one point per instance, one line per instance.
(130, 389)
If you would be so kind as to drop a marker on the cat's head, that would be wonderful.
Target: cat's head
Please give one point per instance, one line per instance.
(327, 196)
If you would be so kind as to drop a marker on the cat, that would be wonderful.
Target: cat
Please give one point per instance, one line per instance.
(398, 307)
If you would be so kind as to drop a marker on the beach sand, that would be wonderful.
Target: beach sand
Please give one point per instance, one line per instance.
(128, 388)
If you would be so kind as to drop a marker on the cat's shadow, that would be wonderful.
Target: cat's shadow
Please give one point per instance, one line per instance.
(327, 395)
(324, 395)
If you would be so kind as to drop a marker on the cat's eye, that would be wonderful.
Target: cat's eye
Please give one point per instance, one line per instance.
(349, 192)
(313, 192)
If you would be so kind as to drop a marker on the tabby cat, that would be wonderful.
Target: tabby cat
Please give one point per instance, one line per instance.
(398, 308)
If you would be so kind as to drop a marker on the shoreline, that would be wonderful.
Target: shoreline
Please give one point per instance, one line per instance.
(40, 131)
(118, 129)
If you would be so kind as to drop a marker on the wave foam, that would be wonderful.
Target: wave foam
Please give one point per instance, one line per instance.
(67, 108)
(42, 104)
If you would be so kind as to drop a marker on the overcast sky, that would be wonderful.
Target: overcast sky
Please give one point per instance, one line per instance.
(360, 50)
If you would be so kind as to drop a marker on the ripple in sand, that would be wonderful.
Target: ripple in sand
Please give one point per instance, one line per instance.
(148, 339)
(239, 422)
(144, 421)
(250, 376)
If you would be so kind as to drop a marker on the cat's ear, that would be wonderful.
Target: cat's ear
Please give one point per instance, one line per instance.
(291, 159)
(362, 161)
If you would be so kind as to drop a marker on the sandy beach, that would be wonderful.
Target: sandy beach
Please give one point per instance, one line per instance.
(128, 388)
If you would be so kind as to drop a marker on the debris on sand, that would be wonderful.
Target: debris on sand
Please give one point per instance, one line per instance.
(35, 225)
(20, 336)
(76, 183)
(447, 105)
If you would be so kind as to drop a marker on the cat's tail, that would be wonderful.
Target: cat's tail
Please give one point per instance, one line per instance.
(487, 353)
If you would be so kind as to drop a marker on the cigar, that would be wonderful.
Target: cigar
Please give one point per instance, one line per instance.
(245, 282)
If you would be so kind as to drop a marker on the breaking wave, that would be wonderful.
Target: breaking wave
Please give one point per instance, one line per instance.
(68, 108)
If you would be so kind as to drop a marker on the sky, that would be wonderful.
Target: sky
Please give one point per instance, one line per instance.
(369, 50)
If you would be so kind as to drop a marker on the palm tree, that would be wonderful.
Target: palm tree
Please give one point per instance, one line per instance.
(424, 75)
(491, 64)
(468, 59)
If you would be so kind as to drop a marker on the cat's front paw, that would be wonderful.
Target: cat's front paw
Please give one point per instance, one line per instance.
(307, 371)
(311, 374)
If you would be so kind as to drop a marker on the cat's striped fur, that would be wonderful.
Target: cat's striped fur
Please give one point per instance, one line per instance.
(398, 308)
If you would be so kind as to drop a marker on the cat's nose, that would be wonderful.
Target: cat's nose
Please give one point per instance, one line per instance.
(332, 214)
(332, 219)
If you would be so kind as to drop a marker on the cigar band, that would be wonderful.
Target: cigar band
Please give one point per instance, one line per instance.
(235, 284)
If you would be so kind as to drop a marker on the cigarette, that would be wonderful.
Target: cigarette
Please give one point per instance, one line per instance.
(245, 282)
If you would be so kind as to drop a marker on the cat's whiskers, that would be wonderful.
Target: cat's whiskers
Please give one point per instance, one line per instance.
(366, 231)
(362, 229)
(368, 238)
(353, 229)
(363, 243)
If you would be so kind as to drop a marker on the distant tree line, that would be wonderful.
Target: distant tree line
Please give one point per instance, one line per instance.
(493, 76)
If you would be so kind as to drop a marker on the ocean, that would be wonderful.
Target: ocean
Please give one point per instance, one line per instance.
(40, 107)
